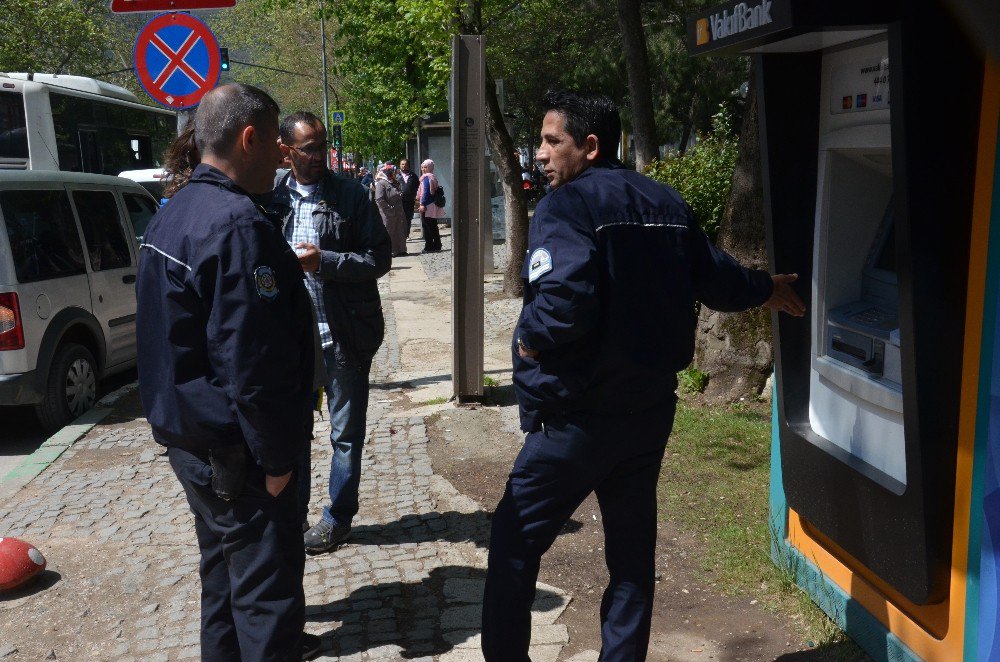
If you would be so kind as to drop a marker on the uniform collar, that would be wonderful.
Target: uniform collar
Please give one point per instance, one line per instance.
(206, 174)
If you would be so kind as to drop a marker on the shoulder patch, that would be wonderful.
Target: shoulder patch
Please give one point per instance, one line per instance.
(540, 264)
(267, 284)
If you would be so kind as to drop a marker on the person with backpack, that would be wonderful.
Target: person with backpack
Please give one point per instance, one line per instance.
(431, 207)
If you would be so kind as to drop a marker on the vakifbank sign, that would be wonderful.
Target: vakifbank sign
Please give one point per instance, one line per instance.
(743, 18)
(736, 22)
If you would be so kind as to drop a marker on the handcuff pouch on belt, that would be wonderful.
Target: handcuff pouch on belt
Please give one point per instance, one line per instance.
(229, 470)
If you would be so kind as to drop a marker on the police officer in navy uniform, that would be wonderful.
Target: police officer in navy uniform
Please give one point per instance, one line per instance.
(614, 268)
(225, 346)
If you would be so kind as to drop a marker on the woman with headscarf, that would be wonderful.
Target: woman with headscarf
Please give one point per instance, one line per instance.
(429, 212)
(389, 201)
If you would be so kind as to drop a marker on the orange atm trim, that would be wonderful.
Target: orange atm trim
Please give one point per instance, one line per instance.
(901, 617)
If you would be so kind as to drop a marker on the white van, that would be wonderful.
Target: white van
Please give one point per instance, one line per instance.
(68, 258)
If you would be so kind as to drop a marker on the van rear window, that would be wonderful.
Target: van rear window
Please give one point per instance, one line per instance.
(44, 241)
(13, 132)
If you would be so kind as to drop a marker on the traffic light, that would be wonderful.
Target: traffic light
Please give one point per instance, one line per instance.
(337, 135)
(224, 57)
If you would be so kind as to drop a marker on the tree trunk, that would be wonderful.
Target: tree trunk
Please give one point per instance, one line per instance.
(735, 349)
(515, 203)
(640, 93)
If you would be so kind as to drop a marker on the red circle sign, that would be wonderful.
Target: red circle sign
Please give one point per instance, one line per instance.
(177, 60)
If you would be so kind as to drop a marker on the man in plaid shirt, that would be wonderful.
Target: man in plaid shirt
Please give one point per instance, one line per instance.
(343, 248)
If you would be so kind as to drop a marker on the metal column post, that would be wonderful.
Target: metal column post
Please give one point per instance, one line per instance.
(470, 201)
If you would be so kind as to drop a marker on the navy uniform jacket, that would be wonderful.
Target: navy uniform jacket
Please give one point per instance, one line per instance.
(614, 266)
(224, 326)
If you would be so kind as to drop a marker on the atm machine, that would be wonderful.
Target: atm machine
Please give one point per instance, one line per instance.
(878, 128)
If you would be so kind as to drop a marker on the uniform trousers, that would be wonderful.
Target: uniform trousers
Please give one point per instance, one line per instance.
(616, 457)
(252, 561)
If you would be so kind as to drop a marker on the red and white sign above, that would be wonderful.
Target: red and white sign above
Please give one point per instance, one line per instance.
(130, 6)
(177, 60)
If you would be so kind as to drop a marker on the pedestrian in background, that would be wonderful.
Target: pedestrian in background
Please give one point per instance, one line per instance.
(225, 359)
(368, 181)
(409, 183)
(390, 205)
(429, 212)
(343, 249)
(615, 265)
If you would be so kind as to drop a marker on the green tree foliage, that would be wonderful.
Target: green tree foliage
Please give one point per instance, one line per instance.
(687, 90)
(703, 175)
(277, 47)
(56, 36)
(393, 59)
(538, 45)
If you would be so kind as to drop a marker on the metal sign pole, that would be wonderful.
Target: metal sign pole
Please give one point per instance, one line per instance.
(326, 101)
(469, 202)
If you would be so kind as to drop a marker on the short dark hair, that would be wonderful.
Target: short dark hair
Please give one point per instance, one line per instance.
(287, 128)
(587, 113)
(225, 111)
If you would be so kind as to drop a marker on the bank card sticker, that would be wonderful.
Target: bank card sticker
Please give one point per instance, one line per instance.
(540, 264)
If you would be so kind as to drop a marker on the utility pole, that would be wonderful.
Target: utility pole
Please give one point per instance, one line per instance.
(326, 102)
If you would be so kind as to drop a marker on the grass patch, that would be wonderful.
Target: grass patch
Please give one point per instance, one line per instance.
(436, 401)
(489, 382)
(714, 485)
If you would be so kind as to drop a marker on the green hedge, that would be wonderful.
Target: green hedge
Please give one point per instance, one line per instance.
(702, 176)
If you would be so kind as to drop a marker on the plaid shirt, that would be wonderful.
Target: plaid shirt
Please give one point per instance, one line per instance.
(301, 229)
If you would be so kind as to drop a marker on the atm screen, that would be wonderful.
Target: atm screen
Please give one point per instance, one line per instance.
(887, 256)
(879, 281)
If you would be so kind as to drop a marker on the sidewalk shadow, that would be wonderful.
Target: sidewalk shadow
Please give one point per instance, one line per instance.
(450, 526)
(841, 651)
(441, 612)
(411, 383)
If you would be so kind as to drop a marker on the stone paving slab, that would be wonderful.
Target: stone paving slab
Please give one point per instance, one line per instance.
(122, 582)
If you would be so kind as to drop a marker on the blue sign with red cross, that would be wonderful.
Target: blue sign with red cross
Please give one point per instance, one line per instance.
(177, 60)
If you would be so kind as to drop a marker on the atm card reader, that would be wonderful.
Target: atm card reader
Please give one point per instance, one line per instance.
(857, 334)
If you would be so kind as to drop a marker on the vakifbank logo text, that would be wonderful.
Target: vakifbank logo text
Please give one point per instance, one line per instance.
(743, 18)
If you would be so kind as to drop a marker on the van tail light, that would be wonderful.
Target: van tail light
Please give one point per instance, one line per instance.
(11, 330)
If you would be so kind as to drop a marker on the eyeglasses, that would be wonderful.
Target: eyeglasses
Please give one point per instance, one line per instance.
(312, 150)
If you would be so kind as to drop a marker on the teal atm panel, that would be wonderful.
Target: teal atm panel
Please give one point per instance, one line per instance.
(870, 206)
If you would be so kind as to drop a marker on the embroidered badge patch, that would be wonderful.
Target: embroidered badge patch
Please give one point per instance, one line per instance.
(267, 285)
(540, 264)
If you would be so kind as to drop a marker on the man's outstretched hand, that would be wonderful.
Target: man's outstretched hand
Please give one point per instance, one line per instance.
(784, 299)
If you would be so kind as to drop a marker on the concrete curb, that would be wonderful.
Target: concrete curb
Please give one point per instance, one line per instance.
(56, 445)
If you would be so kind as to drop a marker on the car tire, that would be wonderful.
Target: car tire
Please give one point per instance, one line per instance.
(70, 389)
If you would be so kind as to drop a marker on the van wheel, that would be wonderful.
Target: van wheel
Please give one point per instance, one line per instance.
(71, 388)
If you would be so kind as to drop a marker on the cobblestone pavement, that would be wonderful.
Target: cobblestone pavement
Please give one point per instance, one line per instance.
(122, 582)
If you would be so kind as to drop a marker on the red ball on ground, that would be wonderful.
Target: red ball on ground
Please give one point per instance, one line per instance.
(20, 562)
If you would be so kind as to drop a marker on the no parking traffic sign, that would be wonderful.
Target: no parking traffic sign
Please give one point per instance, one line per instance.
(177, 60)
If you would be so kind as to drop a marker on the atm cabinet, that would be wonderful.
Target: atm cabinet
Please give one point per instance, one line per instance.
(879, 143)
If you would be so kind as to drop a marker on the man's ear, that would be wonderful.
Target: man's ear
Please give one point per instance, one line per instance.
(592, 145)
(248, 138)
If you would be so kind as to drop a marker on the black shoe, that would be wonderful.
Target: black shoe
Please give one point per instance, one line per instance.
(310, 645)
(325, 536)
